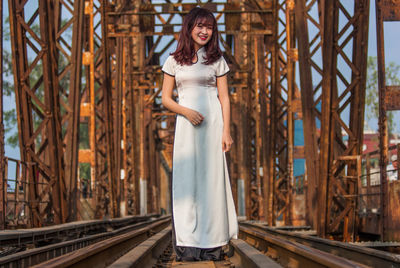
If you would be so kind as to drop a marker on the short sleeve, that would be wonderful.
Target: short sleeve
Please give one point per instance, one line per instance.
(169, 66)
(222, 67)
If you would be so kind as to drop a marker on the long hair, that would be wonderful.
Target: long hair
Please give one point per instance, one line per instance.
(185, 51)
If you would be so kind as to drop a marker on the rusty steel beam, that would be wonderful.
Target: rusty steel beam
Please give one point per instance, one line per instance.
(291, 58)
(97, 108)
(260, 116)
(309, 48)
(110, 176)
(38, 110)
(130, 141)
(242, 55)
(341, 132)
(280, 146)
(69, 17)
(117, 61)
(389, 97)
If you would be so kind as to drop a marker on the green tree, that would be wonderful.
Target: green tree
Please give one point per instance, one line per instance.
(10, 116)
(372, 93)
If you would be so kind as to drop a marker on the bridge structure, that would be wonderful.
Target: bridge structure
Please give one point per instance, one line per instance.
(96, 142)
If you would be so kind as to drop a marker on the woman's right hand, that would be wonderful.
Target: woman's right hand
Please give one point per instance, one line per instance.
(193, 116)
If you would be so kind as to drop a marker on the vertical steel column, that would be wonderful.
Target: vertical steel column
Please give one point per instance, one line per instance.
(389, 97)
(101, 133)
(291, 57)
(117, 95)
(264, 123)
(106, 86)
(280, 161)
(88, 105)
(273, 64)
(130, 143)
(232, 24)
(69, 58)
(242, 55)
(310, 47)
(259, 114)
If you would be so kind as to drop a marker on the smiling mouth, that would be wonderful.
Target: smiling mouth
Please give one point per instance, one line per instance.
(203, 37)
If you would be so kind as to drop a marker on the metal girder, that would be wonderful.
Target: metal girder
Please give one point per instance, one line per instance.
(97, 104)
(139, 155)
(69, 19)
(106, 172)
(343, 92)
(389, 97)
(131, 180)
(244, 128)
(280, 141)
(38, 109)
(310, 60)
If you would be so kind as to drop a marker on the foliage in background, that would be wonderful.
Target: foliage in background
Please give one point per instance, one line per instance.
(372, 93)
(10, 116)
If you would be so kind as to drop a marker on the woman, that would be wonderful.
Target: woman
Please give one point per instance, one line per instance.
(204, 217)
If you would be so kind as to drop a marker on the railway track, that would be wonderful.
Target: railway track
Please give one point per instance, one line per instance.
(292, 254)
(23, 237)
(37, 255)
(140, 248)
(361, 255)
(149, 245)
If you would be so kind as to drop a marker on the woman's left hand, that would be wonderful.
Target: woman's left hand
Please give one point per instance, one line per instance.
(226, 141)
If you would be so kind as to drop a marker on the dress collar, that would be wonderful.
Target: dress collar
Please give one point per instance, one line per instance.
(201, 50)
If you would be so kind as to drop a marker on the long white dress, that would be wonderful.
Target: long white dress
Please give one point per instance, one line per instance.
(203, 208)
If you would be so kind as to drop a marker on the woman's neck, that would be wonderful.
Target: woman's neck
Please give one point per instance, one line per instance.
(197, 47)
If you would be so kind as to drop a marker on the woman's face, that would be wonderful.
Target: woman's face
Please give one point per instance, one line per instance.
(201, 34)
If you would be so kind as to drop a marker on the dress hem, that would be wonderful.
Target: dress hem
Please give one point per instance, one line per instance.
(203, 246)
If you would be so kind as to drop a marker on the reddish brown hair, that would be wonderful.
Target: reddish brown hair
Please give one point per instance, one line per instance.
(185, 51)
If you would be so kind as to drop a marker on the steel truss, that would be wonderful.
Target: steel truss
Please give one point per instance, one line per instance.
(309, 15)
(343, 99)
(113, 69)
(35, 67)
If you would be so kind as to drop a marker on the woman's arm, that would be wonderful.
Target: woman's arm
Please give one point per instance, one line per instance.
(223, 95)
(168, 86)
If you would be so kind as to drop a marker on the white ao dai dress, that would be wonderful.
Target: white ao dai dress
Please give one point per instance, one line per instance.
(203, 208)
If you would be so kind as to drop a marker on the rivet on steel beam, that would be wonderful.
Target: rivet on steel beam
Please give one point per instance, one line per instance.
(290, 4)
(87, 58)
(88, 8)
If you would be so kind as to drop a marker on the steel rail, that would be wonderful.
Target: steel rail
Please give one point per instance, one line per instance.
(104, 253)
(147, 253)
(289, 253)
(31, 236)
(247, 256)
(367, 256)
(38, 255)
